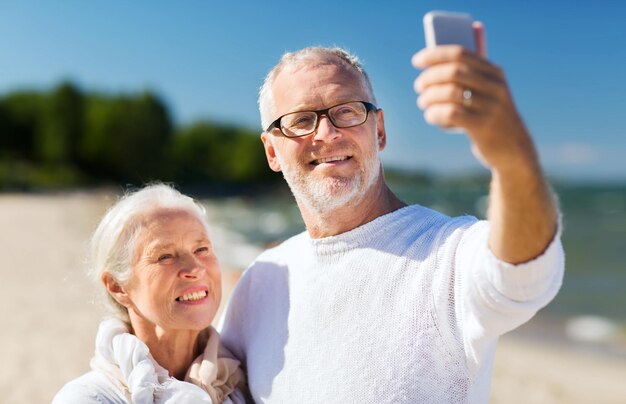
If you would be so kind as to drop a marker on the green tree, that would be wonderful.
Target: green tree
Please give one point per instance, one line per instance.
(193, 151)
(21, 112)
(61, 126)
(126, 138)
(65, 137)
(220, 154)
(248, 159)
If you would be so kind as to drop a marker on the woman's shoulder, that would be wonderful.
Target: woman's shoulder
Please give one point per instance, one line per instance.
(91, 388)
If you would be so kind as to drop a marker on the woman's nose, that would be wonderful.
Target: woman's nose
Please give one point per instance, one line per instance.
(191, 267)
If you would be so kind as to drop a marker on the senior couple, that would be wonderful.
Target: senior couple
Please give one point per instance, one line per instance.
(376, 301)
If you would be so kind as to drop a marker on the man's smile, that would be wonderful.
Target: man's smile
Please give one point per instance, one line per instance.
(331, 159)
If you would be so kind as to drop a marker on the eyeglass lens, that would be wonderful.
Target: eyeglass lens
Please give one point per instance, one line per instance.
(342, 116)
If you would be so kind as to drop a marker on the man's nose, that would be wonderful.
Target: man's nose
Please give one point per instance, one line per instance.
(326, 131)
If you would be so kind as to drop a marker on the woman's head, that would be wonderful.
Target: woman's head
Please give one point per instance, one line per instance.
(154, 256)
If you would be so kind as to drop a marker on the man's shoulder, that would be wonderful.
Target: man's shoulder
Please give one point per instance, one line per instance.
(420, 219)
(278, 251)
(275, 260)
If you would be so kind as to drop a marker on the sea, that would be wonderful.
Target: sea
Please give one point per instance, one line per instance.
(590, 308)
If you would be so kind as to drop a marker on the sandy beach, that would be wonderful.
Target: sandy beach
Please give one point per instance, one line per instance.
(51, 315)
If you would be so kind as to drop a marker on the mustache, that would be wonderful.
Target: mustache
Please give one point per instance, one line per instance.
(343, 147)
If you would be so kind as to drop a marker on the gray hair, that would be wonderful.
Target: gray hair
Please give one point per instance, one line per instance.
(113, 243)
(310, 55)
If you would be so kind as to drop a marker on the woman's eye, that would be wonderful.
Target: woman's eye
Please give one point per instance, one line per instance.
(202, 250)
(165, 257)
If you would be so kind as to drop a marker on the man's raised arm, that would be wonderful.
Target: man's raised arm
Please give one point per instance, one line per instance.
(463, 89)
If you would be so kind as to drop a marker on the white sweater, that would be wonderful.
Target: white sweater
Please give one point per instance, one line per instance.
(404, 309)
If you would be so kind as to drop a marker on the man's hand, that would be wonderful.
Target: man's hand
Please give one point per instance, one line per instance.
(461, 89)
(489, 117)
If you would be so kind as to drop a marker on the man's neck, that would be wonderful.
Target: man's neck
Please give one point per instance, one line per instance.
(378, 201)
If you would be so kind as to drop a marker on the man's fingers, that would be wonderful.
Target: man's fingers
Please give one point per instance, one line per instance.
(450, 115)
(459, 74)
(450, 93)
(443, 54)
(429, 57)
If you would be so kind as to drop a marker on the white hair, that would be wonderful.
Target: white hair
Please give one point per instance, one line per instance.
(113, 243)
(311, 55)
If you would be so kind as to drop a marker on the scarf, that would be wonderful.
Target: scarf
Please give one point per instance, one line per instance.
(127, 361)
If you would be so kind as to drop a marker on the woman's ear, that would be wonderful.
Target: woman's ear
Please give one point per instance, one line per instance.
(115, 289)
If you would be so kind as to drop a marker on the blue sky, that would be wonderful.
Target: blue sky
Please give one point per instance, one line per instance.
(565, 64)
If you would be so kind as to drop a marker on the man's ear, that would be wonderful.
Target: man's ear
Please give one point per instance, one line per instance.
(270, 152)
(381, 134)
(116, 290)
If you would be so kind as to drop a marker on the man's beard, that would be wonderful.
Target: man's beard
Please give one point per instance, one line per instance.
(330, 193)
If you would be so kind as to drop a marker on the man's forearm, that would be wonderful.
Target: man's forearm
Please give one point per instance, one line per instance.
(522, 211)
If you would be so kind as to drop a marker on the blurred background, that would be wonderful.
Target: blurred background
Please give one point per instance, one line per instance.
(97, 97)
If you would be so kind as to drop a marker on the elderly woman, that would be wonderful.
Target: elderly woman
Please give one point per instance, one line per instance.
(154, 258)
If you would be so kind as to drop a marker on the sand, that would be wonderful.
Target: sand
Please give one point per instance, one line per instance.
(51, 315)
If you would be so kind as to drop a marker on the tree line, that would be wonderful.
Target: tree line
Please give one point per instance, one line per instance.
(66, 137)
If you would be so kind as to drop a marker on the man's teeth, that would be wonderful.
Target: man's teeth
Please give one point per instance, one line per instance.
(193, 296)
(329, 159)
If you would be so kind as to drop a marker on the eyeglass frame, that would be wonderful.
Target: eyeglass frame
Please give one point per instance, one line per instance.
(368, 108)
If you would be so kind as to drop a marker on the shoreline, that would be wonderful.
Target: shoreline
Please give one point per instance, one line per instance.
(593, 335)
(49, 338)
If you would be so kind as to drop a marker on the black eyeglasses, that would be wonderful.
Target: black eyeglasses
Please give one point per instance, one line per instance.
(302, 123)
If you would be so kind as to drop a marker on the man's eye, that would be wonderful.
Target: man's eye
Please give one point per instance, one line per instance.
(302, 121)
(202, 250)
(346, 111)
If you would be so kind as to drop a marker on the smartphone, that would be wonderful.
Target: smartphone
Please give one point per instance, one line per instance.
(447, 28)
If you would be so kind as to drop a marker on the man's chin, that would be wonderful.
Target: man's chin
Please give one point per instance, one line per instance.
(331, 197)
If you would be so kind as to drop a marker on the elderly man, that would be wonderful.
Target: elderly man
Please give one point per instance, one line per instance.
(378, 301)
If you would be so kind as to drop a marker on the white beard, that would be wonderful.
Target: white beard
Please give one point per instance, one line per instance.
(328, 194)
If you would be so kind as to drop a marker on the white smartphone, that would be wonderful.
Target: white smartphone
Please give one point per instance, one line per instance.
(446, 28)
